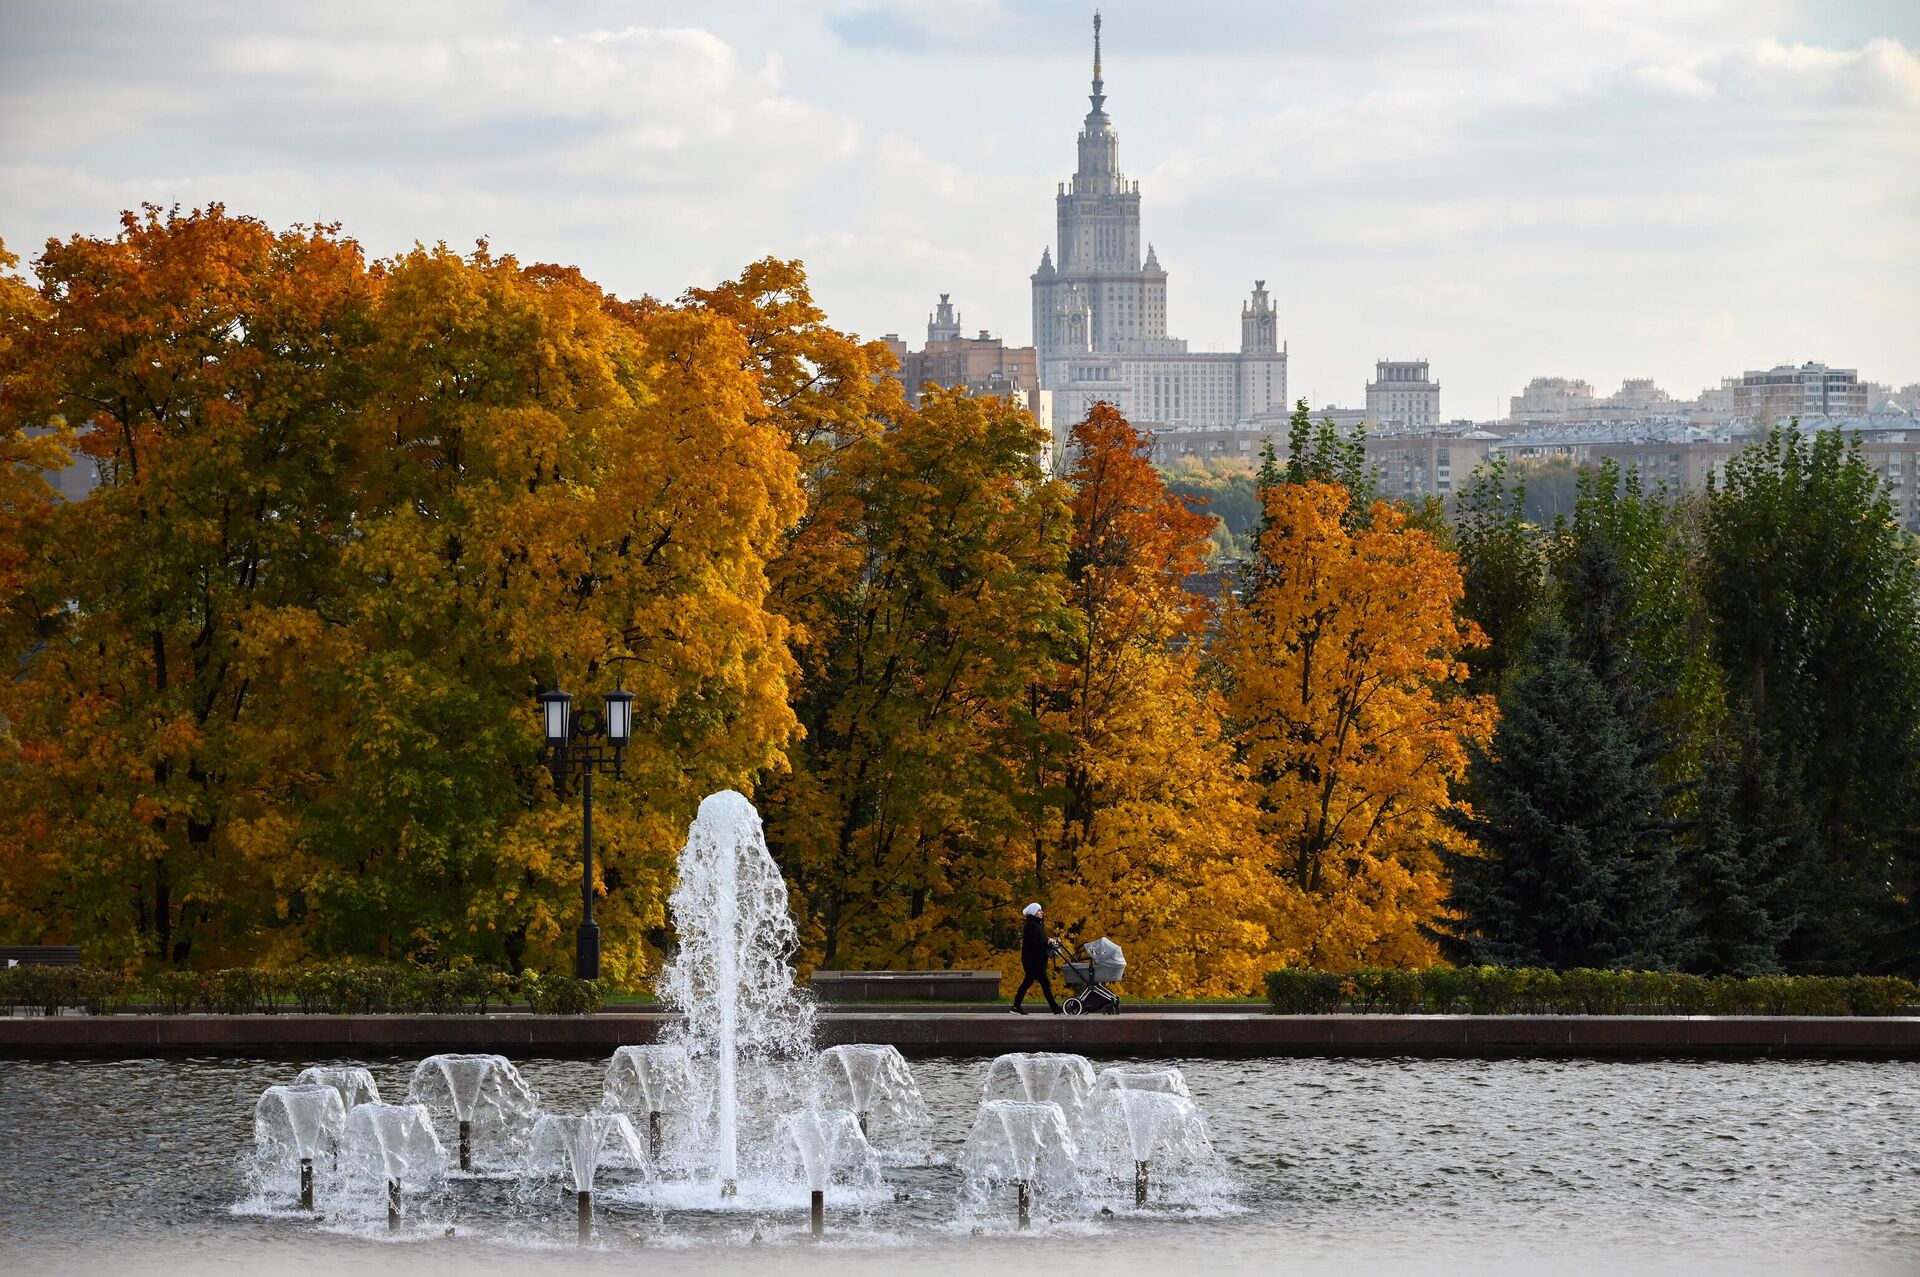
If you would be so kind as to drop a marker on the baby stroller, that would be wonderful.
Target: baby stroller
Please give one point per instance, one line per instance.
(1105, 965)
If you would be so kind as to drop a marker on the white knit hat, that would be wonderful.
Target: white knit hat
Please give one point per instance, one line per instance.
(1032, 909)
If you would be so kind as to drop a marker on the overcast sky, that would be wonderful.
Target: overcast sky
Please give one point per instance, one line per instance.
(1599, 188)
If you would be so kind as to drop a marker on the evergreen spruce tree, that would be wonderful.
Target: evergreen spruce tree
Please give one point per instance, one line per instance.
(1569, 808)
(1749, 842)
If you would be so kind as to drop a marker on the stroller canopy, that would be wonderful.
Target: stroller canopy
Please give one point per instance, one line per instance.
(1109, 963)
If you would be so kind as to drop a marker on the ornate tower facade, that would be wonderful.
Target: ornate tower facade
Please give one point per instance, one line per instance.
(1097, 229)
(1100, 311)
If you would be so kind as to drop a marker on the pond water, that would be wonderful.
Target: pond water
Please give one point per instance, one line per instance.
(1339, 1166)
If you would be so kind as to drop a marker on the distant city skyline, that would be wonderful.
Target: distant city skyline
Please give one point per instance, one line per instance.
(1593, 189)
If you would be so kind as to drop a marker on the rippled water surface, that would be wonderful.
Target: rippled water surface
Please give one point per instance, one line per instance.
(1343, 1166)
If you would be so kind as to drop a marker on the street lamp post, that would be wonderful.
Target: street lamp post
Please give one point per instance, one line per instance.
(574, 748)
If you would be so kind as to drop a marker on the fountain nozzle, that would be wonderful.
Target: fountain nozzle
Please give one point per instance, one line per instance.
(729, 1188)
(1139, 1183)
(466, 1146)
(819, 1212)
(306, 1184)
(1026, 1204)
(393, 1205)
(586, 1216)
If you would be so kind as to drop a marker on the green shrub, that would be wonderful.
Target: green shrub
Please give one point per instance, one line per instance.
(1491, 990)
(49, 989)
(562, 994)
(1441, 989)
(1688, 994)
(173, 992)
(1880, 995)
(1510, 990)
(1300, 991)
(345, 988)
(246, 990)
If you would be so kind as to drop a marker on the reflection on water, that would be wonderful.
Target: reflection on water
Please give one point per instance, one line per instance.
(1345, 1166)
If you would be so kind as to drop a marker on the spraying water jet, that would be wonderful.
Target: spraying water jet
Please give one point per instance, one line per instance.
(297, 1123)
(578, 1146)
(744, 1028)
(485, 1096)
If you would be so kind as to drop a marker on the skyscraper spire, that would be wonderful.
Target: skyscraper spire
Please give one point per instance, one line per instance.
(1099, 87)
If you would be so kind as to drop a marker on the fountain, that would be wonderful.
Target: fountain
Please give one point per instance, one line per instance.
(1134, 1077)
(483, 1093)
(874, 1083)
(1025, 1143)
(298, 1122)
(354, 1083)
(653, 1080)
(1042, 1076)
(579, 1146)
(830, 1141)
(396, 1143)
(734, 1093)
(744, 1026)
(1148, 1127)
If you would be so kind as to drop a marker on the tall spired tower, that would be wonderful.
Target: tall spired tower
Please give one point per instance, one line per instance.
(1099, 297)
(1100, 311)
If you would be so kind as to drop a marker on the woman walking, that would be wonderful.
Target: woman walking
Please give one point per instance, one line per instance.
(1035, 949)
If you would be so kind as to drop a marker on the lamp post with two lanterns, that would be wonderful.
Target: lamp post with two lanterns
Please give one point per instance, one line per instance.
(580, 745)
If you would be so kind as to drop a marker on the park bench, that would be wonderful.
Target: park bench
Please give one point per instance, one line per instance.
(907, 986)
(39, 955)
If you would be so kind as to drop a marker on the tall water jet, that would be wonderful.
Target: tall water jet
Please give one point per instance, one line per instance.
(743, 1022)
(830, 1142)
(579, 1146)
(875, 1084)
(354, 1083)
(298, 1123)
(1022, 1143)
(392, 1144)
(484, 1094)
(648, 1083)
(1157, 1134)
(1042, 1077)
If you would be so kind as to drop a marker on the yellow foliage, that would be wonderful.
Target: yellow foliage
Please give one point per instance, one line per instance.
(1347, 705)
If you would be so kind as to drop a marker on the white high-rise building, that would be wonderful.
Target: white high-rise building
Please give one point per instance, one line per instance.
(1100, 315)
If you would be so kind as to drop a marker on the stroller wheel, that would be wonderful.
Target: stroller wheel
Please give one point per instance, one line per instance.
(1074, 1006)
(1112, 1008)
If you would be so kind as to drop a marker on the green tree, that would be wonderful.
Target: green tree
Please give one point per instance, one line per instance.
(1814, 602)
(1318, 454)
(1747, 850)
(1503, 565)
(1576, 867)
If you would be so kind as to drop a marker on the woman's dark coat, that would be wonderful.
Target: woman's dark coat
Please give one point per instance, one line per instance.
(1033, 945)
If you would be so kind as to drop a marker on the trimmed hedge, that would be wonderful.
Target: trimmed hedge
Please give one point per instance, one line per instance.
(334, 989)
(1530, 991)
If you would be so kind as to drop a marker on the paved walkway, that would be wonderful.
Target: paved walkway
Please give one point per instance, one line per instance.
(920, 1032)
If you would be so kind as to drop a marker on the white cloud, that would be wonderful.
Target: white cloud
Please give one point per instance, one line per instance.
(1601, 187)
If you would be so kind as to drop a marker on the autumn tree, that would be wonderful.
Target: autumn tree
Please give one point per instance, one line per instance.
(563, 490)
(1148, 836)
(276, 674)
(209, 368)
(894, 823)
(1345, 705)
